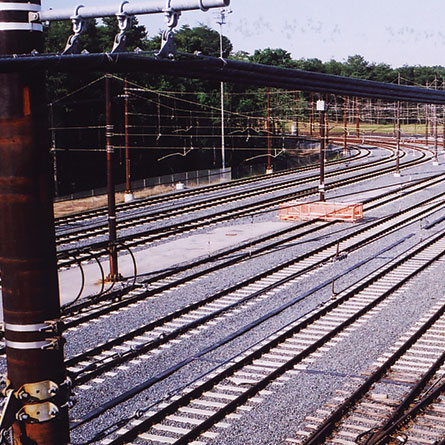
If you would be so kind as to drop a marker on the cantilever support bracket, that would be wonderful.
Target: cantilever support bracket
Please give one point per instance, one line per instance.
(124, 22)
(79, 25)
(168, 48)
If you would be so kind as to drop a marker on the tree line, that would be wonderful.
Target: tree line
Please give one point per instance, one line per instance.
(175, 122)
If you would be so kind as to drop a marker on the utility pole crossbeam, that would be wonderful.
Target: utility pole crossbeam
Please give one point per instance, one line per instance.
(124, 12)
(37, 387)
(130, 8)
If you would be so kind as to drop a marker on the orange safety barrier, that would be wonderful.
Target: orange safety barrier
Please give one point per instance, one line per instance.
(328, 211)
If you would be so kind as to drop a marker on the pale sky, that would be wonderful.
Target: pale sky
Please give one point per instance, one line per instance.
(396, 32)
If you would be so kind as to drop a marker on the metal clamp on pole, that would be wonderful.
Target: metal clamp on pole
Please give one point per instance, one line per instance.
(37, 412)
(124, 22)
(168, 48)
(49, 335)
(79, 26)
(37, 392)
(33, 16)
(43, 402)
(52, 326)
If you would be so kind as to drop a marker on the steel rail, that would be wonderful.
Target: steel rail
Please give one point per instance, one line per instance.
(404, 413)
(157, 215)
(227, 70)
(175, 229)
(118, 303)
(96, 369)
(121, 207)
(118, 295)
(100, 410)
(236, 364)
(327, 427)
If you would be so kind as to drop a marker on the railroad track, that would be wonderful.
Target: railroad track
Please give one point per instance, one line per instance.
(170, 213)
(195, 411)
(217, 307)
(146, 341)
(85, 312)
(167, 199)
(70, 257)
(415, 367)
(90, 309)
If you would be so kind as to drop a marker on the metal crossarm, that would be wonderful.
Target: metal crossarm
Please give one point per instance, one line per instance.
(130, 8)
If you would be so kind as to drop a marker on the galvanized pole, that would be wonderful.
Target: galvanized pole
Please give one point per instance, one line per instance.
(221, 22)
(37, 387)
(112, 233)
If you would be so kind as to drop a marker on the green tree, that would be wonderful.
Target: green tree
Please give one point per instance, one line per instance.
(200, 39)
(275, 57)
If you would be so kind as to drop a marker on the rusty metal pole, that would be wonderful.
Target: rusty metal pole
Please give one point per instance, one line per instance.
(399, 133)
(443, 122)
(427, 114)
(321, 108)
(436, 142)
(269, 164)
(112, 233)
(435, 128)
(326, 127)
(357, 116)
(37, 386)
(345, 126)
(128, 192)
(311, 122)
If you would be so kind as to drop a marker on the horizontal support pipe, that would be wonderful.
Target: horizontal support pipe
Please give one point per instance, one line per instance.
(213, 68)
(130, 8)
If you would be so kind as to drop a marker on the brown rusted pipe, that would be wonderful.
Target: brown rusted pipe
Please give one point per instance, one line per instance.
(27, 243)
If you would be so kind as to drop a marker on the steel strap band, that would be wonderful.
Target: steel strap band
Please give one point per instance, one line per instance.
(15, 26)
(29, 344)
(19, 7)
(27, 327)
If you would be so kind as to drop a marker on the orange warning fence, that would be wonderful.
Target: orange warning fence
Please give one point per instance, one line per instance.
(328, 211)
